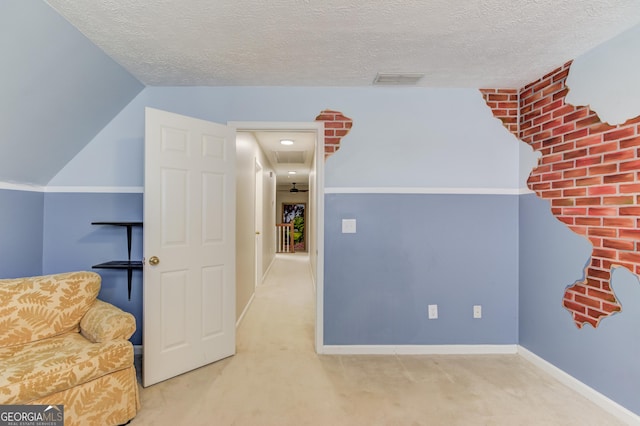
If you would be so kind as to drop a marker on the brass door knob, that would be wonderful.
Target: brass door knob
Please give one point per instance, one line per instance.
(257, 232)
(153, 260)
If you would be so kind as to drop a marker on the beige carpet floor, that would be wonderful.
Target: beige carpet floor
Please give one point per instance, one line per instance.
(276, 378)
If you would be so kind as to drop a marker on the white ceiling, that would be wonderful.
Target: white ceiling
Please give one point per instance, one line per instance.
(463, 43)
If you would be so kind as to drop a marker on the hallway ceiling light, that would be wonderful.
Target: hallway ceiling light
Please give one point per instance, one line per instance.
(286, 142)
(291, 172)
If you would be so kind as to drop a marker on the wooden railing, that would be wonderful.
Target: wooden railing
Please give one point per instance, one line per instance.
(284, 238)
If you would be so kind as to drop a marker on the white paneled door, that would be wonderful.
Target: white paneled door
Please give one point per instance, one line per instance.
(189, 244)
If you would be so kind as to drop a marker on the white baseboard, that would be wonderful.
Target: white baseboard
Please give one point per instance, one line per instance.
(418, 349)
(313, 278)
(266, 272)
(244, 311)
(588, 392)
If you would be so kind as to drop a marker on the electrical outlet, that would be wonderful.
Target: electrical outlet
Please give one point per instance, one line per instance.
(433, 311)
(477, 311)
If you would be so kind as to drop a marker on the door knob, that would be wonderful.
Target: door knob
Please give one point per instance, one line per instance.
(153, 260)
(257, 232)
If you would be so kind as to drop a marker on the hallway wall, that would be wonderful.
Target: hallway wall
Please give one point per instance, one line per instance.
(247, 152)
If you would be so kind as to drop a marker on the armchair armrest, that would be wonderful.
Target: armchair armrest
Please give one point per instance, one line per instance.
(105, 322)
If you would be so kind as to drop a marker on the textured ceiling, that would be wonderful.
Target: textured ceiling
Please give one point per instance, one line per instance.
(464, 43)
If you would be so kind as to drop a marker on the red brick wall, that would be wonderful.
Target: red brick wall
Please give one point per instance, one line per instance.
(336, 126)
(504, 104)
(590, 172)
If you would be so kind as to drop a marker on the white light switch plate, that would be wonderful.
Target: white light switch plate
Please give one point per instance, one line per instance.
(348, 226)
(433, 311)
(477, 311)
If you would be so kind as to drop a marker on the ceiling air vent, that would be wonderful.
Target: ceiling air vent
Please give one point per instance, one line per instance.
(289, 157)
(384, 79)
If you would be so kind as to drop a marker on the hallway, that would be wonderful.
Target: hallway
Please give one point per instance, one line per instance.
(276, 378)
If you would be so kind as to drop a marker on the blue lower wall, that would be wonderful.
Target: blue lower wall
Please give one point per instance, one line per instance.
(71, 243)
(409, 251)
(412, 250)
(551, 258)
(21, 221)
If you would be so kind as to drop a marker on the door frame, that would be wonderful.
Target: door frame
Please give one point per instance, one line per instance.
(318, 223)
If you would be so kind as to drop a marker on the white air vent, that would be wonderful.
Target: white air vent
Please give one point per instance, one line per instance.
(289, 157)
(383, 79)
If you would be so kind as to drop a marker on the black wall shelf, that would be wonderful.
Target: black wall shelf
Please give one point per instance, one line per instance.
(129, 264)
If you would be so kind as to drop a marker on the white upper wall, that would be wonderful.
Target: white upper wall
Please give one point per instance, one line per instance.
(401, 137)
(606, 78)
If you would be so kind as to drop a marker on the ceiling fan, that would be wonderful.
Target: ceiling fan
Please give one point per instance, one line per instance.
(294, 189)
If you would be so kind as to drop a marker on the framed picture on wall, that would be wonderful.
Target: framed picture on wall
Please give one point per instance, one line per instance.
(295, 213)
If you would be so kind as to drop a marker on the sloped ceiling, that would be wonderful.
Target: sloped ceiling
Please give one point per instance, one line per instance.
(57, 91)
(67, 72)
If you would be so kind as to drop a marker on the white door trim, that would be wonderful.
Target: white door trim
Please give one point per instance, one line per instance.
(318, 127)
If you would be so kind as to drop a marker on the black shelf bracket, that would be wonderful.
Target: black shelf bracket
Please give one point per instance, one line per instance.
(129, 265)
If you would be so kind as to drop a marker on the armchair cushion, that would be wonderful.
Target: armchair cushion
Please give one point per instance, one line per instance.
(36, 308)
(41, 368)
(104, 322)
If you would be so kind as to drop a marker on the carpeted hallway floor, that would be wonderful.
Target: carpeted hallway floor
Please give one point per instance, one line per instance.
(276, 378)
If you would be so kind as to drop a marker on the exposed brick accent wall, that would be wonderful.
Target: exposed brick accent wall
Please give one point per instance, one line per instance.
(590, 172)
(504, 104)
(336, 126)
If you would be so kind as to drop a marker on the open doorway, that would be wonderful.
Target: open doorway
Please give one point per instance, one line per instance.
(295, 214)
(261, 143)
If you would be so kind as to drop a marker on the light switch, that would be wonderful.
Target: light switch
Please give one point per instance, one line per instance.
(477, 311)
(348, 226)
(433, 311)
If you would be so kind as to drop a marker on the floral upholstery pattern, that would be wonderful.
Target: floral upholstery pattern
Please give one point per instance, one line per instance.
(61, 345)
(109, 400)
(39, 307)
(51, 365)
(103, 323)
